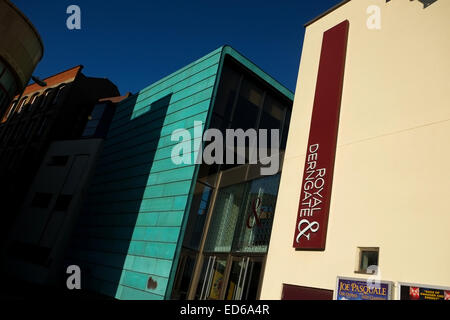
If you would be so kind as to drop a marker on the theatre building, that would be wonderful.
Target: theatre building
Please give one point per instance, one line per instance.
(362, 209)
(153, 228)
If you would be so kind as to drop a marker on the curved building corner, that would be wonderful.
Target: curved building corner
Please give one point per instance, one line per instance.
(21, 49)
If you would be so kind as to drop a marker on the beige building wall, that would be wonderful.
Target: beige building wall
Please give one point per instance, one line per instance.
(391, 185)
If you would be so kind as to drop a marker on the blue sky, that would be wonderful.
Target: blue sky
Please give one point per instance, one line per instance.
(136, 42)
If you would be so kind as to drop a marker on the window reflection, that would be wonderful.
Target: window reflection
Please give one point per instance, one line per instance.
(242, 217)
(247, 108)
(224, 218)
(227, 93)
(197, 216)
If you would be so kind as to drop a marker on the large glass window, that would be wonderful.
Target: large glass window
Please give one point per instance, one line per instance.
(227, 93)
(224, 218)
(248, 105)
(244, 102)
(255, 221)
(242, 217)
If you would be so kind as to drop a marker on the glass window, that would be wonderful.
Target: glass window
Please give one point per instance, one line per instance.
(184, 276)
(227, 93)
(272, 118)
(94, 120)
(46, 98)
(34, 98)
(98, 111)
(11, 110)
(224, 217)
(368, 257)
(59, 94)
(197, 216)
(255, 222)
(244, 279)
(242, 217)
(273, 114)
(248, 106)
(22, 104)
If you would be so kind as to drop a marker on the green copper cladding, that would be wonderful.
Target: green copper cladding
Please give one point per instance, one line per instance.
(130, 235)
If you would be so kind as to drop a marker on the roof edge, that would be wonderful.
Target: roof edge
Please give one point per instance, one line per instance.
(340, 4)
(229, 50)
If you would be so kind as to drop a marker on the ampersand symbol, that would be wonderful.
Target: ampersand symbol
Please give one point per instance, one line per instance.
(313, 226)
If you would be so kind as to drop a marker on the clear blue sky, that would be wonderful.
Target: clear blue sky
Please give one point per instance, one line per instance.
(137, 42)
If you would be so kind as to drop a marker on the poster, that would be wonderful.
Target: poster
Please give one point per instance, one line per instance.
(362, 289)
(416, 292)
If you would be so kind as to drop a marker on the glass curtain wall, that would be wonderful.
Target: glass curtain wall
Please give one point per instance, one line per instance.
(226, 244)
(238, 234)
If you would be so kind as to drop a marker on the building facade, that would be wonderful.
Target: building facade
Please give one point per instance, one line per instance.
(35, 119)
(21, 49)
(156, 229)
(365, 179)
(51, 207)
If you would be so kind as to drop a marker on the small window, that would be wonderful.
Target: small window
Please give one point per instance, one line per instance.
(33, 99)
(63, 202)
(22, 104)
(58, 94)
(58, 161)
(368, 260)
(41, 200)
(10, 110)
(46, 97)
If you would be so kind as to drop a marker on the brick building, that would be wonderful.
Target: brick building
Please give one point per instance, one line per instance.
(57, 111)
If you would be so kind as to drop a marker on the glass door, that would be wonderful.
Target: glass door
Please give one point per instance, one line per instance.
(212, 278)
(184, 275)
(244, 279)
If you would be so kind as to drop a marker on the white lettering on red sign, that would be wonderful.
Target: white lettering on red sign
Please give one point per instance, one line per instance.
(312, 199)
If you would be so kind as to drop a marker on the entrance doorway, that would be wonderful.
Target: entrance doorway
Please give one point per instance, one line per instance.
(230, 278)
(227, 238)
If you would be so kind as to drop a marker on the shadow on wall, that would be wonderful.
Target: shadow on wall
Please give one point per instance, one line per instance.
(103, 236)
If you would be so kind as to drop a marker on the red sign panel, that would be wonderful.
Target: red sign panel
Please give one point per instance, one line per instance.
(312, 219)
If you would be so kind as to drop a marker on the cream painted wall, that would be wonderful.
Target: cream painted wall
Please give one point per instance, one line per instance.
(391, 184)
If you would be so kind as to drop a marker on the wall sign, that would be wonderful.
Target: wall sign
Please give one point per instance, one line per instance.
(423, 292)
(360, 289)
(312, 217)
